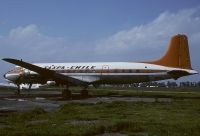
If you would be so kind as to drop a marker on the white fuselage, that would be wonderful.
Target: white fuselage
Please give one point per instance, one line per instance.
(99, 72)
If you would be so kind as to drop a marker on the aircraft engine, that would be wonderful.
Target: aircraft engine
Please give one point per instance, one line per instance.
(51, 83)
(26, 72)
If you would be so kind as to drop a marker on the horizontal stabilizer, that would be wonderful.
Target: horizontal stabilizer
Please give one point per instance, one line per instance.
(175, 74)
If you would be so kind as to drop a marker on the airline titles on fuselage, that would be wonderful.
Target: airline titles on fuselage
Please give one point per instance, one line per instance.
(53, 67)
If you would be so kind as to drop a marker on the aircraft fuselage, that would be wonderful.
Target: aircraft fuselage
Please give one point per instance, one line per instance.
(97, 72)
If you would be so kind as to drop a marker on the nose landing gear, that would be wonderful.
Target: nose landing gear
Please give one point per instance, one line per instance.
(18, 89)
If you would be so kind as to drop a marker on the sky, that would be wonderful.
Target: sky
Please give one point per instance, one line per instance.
(96, 30)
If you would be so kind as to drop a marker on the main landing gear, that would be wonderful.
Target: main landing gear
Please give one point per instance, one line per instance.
(84, 93)
(66, 93)
(18, 92)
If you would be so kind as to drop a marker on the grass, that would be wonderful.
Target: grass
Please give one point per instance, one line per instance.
(180, 117)
(175, 118)
(148, 92)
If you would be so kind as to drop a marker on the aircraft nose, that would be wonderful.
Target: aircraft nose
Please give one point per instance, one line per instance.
(11, 77)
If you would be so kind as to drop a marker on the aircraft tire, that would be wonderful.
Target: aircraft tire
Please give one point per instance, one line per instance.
(84, 93)
(66, 94)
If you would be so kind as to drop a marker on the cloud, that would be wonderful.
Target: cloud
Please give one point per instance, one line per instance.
(147, 41)
(139, 42)
(28, 42)
(153, 36)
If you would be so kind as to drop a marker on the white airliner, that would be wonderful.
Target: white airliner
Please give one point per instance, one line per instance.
(173, 65)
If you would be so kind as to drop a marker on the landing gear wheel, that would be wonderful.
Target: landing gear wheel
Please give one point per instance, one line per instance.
(18, 90)
(66, 94)
(84, 93)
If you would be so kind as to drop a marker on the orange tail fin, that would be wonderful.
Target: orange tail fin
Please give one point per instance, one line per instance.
(177, 55)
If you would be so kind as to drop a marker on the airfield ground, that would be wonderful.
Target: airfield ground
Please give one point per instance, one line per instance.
(106, 112)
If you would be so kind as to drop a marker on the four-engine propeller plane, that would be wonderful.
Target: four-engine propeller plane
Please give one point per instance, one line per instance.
(173, 65)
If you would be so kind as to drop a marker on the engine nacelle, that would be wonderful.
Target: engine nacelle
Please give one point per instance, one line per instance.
(26, 72)
(51, 83)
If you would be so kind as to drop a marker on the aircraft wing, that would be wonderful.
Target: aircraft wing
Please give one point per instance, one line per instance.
(57, 77)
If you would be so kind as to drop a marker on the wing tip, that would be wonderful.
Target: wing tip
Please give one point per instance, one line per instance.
(6, 59)
(10, 60)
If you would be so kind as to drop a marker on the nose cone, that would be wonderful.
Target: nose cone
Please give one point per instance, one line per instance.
(11, 77)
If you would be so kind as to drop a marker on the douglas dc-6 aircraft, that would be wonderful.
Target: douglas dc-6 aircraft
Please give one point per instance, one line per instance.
(173, 65)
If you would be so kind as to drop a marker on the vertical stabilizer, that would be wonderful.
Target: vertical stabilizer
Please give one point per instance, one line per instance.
(177, 55)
